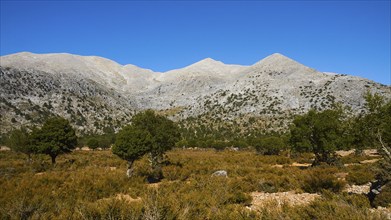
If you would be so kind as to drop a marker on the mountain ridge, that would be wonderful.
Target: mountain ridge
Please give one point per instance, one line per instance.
(273, 59)
(96, 93)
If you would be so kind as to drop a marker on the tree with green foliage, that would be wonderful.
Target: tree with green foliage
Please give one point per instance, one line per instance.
(182, 143)
(131, 144)
(318, 132)
(54, 138)
(377, 124)
(106, 140)
(164, 133)
(359, 134)
(368, 125)
(238, 143)
(270, 145)
(19, 141)
(219, 145)
(157, 132)
(372, 129)
(93, 143)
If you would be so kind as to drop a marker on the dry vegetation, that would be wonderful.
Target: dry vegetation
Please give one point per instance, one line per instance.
(93, 185)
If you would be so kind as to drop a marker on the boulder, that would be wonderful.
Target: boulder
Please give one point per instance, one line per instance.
(4, 148)
(221, 173)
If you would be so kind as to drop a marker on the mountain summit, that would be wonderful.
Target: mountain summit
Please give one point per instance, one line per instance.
(282, 64)
(207, 62)
(95, 93)
(276, 57)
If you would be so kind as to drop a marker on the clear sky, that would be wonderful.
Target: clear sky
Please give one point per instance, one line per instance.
(351, 37)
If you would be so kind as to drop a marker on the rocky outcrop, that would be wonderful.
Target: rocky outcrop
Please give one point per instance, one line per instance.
(358, 189)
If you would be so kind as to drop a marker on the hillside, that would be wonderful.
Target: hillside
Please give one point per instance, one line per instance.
(96, 93)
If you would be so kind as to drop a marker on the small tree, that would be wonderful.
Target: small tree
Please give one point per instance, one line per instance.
(131, 144)
(164, 134)
(54, 138)
(373, 129)
(148, 133)
(93, 143)
(106, 140)
(376, 124)
(19, 141)
(378, 121)
(360, 134)
(271, 145)
(319, 132)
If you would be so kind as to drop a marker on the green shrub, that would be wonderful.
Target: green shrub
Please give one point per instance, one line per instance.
(269, 145)
(283, 160)
(93, 143)
(356, 200)
(329, 206)
(319, 179)
(239, 198)
(354, 158)
(276, 183)
(384, 198)
(109, 209)
(360, 175)
(302, 157)
(332, 209)
(267, 185)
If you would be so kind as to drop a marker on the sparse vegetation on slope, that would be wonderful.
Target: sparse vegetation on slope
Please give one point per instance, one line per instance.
(95, 93)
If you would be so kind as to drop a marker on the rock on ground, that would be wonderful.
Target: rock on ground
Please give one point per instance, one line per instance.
(295, 164)
(371, 152)
(221, 173)
(358, 189)
(4, 148)
(369, 161)
(344, 153)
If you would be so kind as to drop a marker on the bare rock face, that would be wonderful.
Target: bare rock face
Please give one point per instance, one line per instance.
(95, 93)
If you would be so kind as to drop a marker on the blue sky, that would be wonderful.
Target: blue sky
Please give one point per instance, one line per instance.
(351, 37)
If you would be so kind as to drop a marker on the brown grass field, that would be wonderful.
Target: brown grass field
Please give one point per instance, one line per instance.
(93, 185)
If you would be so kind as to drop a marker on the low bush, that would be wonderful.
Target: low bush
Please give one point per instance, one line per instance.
(302, 157)
(319, 179)
(329, 206)
(109, 209)
(384, 198)
(360, 175)
(271, 145)
(334, 208)
(353, 158)
(357, 200)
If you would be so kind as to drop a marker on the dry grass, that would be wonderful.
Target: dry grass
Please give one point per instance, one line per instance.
(93, 185)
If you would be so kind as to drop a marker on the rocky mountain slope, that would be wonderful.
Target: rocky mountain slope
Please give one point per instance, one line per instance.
(96, 93)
